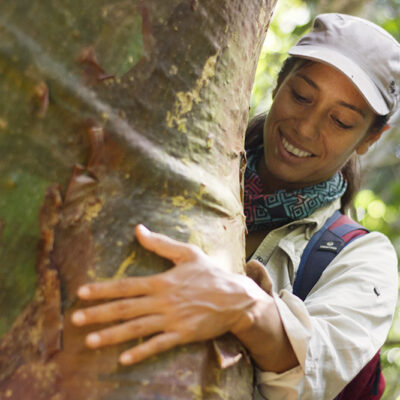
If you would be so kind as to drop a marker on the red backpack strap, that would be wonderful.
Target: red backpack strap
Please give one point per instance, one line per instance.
(347, 228)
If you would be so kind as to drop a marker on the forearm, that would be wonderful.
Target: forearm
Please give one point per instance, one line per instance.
(265, 338)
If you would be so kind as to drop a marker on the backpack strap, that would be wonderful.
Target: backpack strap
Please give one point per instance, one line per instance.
(338, 231)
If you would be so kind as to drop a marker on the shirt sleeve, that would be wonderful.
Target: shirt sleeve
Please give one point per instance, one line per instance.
(342, 323)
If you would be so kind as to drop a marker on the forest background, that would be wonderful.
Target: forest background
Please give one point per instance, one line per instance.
(377, 206)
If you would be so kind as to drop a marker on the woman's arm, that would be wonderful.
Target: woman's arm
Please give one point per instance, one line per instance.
(195, 300)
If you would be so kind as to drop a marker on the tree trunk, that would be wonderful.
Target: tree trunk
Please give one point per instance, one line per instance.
(114, 113)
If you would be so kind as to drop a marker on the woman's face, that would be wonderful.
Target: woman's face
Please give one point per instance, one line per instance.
(317, 120)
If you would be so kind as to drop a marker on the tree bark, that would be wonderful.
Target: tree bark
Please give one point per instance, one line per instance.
(114, 113)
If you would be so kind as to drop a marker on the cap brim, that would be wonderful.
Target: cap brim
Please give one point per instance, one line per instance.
(353, 71)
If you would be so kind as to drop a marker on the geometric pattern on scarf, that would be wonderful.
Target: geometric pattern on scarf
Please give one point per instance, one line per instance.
(266, 210)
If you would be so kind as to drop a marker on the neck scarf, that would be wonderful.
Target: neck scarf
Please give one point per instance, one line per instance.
(265, 211)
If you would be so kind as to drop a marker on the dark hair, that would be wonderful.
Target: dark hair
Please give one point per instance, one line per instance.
(351, 170)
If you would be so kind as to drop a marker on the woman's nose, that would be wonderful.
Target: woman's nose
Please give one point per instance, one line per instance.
(308, 126)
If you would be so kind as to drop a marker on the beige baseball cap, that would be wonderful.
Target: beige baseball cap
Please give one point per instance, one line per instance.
(362, 50)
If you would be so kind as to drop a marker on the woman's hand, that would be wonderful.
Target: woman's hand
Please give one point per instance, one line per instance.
(194, 301)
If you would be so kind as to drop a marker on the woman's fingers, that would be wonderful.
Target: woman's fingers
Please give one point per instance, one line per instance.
(140, 300)
(150, 347)
(126, 331)
(116, 310)
(256, 271)
(165, 246)
(127, 287)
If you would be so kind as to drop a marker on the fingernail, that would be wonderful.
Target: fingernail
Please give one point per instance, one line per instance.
(126, 358)
(78, 318)
(93, 340)
(143, 229)
(83, 291)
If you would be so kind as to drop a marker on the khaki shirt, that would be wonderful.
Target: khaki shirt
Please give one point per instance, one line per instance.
(345, 318)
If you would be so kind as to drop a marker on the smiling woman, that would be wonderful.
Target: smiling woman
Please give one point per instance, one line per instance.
(312, 128)
(333, 100)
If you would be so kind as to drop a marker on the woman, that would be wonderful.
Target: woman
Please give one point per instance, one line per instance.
(333, 100)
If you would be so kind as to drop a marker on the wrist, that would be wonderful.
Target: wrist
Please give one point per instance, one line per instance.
(261, 331)
(253, 316)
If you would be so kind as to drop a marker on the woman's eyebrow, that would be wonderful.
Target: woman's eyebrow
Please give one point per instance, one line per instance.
(308, 80)
(352, 107)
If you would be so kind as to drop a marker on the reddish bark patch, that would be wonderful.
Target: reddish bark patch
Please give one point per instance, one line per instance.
(41, 98)
(33, 381)
(36, 334)
(97, 155)
(93, 71)
(148, 40)
(194, 5)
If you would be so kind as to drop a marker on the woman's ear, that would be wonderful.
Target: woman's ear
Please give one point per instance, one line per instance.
(372, 137)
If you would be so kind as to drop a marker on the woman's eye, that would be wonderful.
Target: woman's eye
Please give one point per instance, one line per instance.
(341, 124)
(300, 98)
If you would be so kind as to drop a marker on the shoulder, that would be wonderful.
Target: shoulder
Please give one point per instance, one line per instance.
(373, 249)
(367, 264)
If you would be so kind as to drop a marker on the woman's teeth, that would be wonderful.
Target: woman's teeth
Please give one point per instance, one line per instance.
(294, 150)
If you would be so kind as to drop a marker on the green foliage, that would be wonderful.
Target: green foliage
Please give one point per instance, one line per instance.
(388, 16)
(377, 215)
(282, 35)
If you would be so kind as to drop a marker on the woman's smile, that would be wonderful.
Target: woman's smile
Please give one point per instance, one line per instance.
(294, 150)
(291, 150)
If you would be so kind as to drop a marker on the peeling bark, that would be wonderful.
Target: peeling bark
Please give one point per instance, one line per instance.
(113, 114)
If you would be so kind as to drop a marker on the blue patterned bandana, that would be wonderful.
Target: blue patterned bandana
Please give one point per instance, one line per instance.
(268, 210)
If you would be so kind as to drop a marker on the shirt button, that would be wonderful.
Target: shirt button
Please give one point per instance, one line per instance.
(258, 258)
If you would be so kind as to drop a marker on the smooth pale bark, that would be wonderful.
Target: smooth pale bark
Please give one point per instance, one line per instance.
(114, 113)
